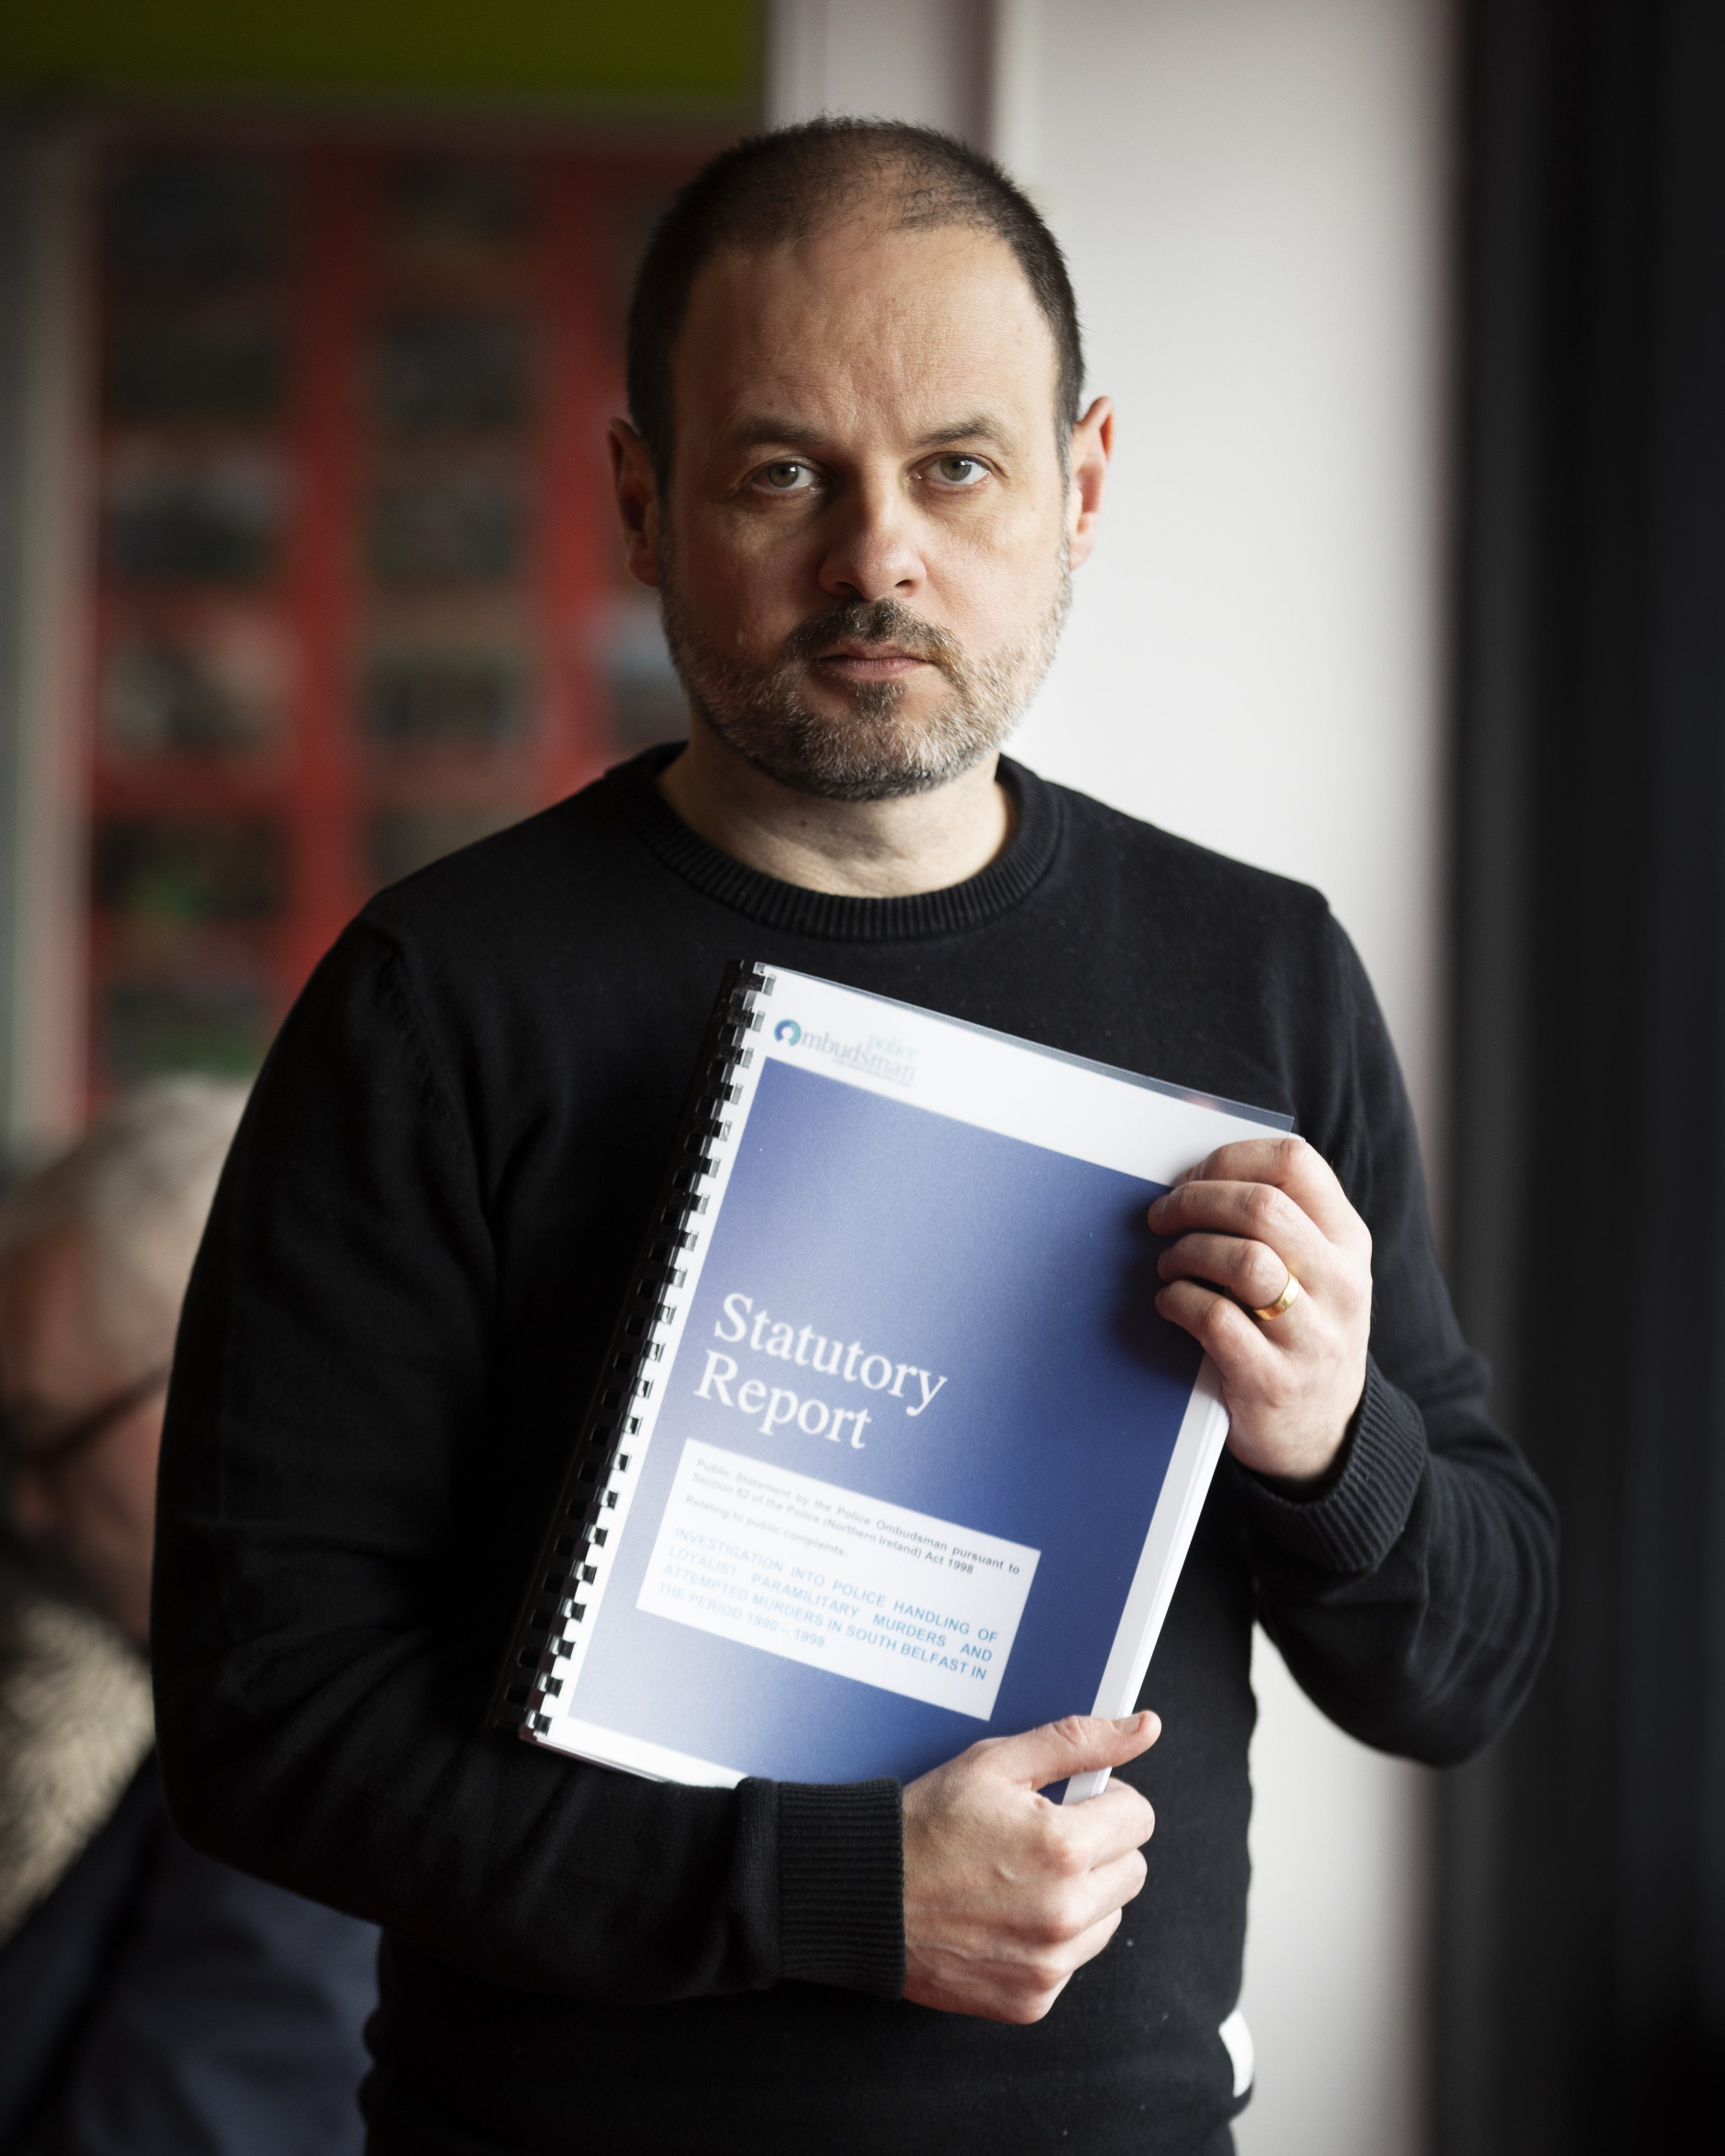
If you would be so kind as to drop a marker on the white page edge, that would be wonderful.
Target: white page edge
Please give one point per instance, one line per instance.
(1203, 1431)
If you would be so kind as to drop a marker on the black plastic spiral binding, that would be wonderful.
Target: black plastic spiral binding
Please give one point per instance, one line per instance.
(554, 1608)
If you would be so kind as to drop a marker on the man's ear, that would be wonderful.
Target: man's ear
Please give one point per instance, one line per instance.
(1092, 446)
(637, 502)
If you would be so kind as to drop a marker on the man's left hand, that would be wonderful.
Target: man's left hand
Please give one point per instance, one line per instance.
(1248, 1220)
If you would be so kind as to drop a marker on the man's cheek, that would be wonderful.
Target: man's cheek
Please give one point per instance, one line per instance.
(754, 599)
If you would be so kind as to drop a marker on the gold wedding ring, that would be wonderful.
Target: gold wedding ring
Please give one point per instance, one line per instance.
(1286, 1300)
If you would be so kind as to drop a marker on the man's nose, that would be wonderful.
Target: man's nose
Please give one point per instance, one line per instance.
(872, 552)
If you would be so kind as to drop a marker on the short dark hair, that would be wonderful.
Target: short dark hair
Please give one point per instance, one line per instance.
(797, 181)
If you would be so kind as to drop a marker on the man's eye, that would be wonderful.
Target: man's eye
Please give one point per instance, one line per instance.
(787, 478)
(960, 471)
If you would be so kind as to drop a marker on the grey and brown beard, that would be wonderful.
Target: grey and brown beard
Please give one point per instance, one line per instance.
(877, 751)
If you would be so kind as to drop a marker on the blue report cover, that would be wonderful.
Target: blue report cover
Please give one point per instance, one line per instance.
(907, 1457)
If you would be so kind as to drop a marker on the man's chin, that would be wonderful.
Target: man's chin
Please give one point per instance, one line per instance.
(837, 768)
(902, 712)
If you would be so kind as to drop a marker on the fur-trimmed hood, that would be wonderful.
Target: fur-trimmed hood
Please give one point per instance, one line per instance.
(75, 1724)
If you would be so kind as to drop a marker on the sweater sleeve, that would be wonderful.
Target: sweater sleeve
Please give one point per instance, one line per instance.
(1413, 1599)
(333, 1411)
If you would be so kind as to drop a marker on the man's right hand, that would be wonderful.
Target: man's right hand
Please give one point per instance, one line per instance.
(1006, 1893)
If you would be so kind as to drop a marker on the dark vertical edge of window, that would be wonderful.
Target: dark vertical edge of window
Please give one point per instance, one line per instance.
(1580, 1984)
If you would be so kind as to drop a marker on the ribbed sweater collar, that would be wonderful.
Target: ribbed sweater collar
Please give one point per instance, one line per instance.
(1006, 882)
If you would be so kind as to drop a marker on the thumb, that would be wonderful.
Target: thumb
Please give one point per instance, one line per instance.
(1076, 1744)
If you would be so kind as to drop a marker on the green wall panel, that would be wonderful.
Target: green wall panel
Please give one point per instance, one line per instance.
(700, 52)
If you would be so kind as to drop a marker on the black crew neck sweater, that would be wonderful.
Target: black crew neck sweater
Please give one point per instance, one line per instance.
(397, 1314)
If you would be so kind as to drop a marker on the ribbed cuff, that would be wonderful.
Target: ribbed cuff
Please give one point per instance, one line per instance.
(841, 1885)
(1352, 1527)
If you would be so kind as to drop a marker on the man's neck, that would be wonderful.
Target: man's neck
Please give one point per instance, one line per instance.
(856, 849)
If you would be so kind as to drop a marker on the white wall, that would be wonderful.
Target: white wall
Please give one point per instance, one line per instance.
(1252, 195)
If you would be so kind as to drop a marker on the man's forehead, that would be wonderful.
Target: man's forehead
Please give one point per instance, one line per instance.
(828, 412)
(860, 324)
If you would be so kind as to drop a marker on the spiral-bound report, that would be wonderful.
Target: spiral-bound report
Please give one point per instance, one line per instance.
(891, 1450)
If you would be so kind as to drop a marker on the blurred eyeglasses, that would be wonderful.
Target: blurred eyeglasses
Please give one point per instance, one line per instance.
(52, 1451)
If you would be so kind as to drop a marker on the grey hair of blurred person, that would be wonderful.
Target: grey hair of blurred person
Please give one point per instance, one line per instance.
(138, 1184)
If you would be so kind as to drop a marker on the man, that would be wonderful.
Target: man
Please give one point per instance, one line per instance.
(859, 474)
(151, 2000)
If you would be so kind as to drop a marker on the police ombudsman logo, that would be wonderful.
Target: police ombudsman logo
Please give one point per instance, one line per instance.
(789, 1031)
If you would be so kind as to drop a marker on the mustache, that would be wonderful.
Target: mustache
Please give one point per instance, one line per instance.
(874, 621)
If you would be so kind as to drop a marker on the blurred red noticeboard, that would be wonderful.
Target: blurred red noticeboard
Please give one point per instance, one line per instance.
(358, 595)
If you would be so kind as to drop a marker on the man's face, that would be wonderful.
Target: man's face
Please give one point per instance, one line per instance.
(864, 553)
(95, 1501)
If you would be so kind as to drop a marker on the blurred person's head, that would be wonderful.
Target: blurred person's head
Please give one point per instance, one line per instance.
(857, 471)
(96, 1249)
